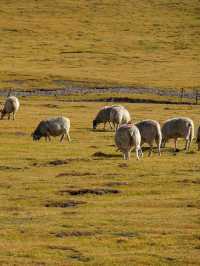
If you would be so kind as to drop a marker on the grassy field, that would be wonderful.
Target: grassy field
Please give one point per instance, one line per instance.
(99, 43)
(143, 212)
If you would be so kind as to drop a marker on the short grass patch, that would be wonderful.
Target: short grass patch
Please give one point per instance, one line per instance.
(59, 204)
(55, 44)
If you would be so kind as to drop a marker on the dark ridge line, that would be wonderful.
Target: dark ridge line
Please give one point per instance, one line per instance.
(102, 90)
(129, 100)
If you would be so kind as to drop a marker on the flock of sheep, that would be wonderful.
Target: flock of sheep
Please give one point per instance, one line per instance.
(127, 134)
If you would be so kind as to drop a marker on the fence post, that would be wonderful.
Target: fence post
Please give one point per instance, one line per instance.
(182, 94)
(197, 96)
(9, 93)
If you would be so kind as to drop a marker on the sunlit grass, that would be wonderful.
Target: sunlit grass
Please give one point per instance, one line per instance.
(153, 220)
(50, 44)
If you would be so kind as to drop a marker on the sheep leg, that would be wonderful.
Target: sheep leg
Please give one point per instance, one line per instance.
(187, 144)
(48, 138)
(13, 115)
(137, 151)
(159, 152)
(163, 144)
(8, 116)
(104, 127)
(150, 150)
(141, 153)
(175, 144)
(127, 155)
(62, 137)
(158, 143)
(68, 137)
(164, 141)
(110, 125)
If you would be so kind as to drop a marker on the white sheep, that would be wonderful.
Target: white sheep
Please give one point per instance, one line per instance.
(150, 131)
(128, 136)
(119, 115)
(58, 126)
(179, 127)
(11, 105)
(103, 116)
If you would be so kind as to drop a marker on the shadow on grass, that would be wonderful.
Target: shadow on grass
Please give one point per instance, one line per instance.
(75, 173)
(174, 152)
(100, 130)
(59, 162)
(94, 191)
(100, 154)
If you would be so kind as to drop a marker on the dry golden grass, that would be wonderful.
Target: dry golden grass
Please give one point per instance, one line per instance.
(154, 220)
(61, 43)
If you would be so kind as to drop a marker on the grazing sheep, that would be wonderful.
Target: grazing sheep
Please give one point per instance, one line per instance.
(180, 127)
(119, 115)
(128, 136)
(198, 138)
(11, 106)
(150, 131)
(103, 116)
(52, 127)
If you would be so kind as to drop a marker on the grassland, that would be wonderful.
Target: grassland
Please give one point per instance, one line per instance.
(52, 44)
(153, 219)
(79, 203)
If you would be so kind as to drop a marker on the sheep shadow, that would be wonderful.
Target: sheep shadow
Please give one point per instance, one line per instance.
(175, 152)
(101, 155)
(100, 130)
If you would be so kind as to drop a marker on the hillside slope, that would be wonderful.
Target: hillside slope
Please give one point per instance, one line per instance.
(58, 43)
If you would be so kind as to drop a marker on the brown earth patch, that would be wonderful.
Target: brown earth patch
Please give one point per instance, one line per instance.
(64, 204)
(116, 183)
(51, 105)
(74, 173)
(60, 162)
(188, 181)
(5, 167)
(75, 253)
(74, 234)
(123, 165)
(195, 204)
(126, 234)
(100, 154)
(95, 191)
